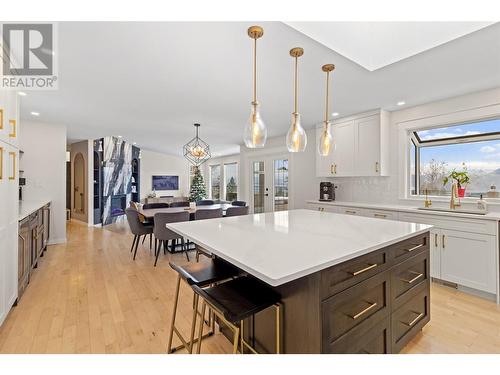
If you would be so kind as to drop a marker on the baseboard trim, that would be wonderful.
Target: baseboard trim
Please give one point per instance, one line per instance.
(57, 241)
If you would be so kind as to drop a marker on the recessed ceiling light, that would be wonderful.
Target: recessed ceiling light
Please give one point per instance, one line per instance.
(119, 136)
(401, 102)
(21, 93)
(35, 113)
(335, 114)
(134, 143)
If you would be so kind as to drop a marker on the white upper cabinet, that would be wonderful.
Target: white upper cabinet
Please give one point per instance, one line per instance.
(360, 147)
(9, 118)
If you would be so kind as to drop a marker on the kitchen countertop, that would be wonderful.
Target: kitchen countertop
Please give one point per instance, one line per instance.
(279, 247)
(495, 216)
(26, 208)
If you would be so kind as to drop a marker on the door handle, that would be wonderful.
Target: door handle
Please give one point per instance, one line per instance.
(13, 155)
(13, 132)
(435, 239)
(443, 241)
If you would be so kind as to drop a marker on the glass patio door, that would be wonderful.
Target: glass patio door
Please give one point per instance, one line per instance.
(269, 184)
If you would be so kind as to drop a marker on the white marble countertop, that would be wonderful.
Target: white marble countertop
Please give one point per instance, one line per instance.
(495, 216)
(283, 246)
(26, 208)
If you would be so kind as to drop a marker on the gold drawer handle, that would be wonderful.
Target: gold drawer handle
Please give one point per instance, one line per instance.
(411, 281)
(414, 320)
(414, 248)
(350, 212)
(13, 155)
(376, 166)
(363, 312)
(371, 266)
(13, 125)
(380, 215)
(1, 118)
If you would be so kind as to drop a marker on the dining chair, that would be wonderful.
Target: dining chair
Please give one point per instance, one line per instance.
(163, 234)
(236, 211)
(138, 228)
(155, 205)
(205, 202)
(202, 214)
(239, 203)
(180, 204)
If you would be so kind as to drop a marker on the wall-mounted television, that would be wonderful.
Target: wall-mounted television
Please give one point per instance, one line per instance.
(166, 182)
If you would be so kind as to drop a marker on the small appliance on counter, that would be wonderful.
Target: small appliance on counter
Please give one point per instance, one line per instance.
(326, 191)
(22, 182)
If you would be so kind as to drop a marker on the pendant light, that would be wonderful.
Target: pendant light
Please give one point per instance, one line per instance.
(196, 150)
(255, 132)
(326, 139)
(296, 138)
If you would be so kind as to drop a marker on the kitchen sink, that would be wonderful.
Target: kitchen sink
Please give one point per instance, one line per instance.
(457, 210)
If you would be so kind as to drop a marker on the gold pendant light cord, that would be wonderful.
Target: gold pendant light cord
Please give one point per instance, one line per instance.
(327, 97)
(296, 83)
(255, 70)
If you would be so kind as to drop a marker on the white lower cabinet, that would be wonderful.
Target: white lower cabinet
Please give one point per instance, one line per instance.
(322, 207)
(468, 259)
(352, 211)
(435, 253)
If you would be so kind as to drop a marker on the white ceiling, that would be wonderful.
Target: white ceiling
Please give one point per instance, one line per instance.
(374, 45)
(149, 82)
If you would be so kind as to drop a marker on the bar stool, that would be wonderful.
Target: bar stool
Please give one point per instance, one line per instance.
(200, 275)
(236, 300)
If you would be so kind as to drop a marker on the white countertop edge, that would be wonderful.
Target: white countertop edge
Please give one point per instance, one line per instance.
(297, 275)
(26, 208)
(491, 216)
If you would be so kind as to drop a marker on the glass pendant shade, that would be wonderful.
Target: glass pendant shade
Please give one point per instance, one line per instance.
(325, 141)
(255, 131)
(296, 138)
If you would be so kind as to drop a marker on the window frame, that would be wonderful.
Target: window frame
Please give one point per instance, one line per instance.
(224, 192)
(210, 180)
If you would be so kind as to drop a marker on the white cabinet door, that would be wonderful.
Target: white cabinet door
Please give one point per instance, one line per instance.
(469, 259)
(9, 119)
(435, 253)
(368, 146)
(343, 151)
(324, 164)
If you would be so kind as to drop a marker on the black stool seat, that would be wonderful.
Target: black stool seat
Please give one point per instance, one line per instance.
(239, 298)
(205, 273)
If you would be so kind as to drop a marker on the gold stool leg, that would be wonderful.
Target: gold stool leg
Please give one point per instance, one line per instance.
(172, 325)
(200, 330)
(242, 337)
(278, 328)
(236, 339)
(193, 323)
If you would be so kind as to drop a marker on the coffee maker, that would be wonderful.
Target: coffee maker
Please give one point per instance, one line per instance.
(326, 191)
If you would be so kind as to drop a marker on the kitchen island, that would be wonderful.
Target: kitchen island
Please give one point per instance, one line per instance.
(348, 284)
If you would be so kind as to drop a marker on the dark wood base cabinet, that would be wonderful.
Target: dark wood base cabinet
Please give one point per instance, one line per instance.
(375, 303)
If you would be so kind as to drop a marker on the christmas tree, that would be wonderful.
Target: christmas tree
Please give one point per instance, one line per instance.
(198, 191)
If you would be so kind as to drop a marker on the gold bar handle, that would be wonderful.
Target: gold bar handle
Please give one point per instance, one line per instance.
(335, 168)
(1, 118)
(435, 239)
(411, 281)
(1, 163)
(332, 170)
(13, 125)
(13, 155)
(409, 324)
(443, 242)
(350, 212)
(376, 167)
(380, 215)
(414, 248)
(371, 266)
(363, 312)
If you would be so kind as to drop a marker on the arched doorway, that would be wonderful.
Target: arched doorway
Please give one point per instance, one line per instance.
(79, 184)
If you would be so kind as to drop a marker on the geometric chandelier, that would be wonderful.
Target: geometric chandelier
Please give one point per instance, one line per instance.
(196, 150)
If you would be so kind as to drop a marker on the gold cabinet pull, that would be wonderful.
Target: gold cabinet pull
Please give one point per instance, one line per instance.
(350, 212)
(1, 163)
(443, 242)
(380, 215)
(414, 248)
(364, 311)
(1, 118)
(376, 166)
(335, 168)
(409, 324)
(331, 169)
(13, 155)
(13, 131)
(371, 266)
(412, 280)
(435, 239)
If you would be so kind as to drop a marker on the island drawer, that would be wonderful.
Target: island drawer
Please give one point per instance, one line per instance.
(364, 339)
(365, 303)
(410, 247)
(342, 276)
(409, 318)
(408, 276)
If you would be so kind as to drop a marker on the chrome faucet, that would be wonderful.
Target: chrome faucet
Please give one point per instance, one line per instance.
(454, 200)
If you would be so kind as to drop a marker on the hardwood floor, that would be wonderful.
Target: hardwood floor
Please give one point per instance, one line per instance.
(88, 296)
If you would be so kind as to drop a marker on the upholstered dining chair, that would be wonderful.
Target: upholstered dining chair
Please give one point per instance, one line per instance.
(236, 211)
(202, 214)
(155, 205)
(239, 203)
(163, 234)
(138, 228)
(205, 202)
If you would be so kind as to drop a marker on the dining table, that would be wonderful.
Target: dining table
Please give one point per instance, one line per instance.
(149, 213)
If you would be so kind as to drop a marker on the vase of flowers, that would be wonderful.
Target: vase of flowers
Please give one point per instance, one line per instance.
(461, 178)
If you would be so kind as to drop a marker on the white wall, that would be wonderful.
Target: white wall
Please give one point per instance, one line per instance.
(154, 163)
(44, 165)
